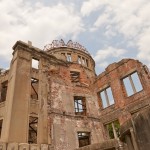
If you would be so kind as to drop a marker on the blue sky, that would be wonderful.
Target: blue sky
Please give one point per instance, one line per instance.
(110, 29)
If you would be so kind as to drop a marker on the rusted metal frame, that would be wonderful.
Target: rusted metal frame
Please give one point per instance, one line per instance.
(77, 103)
(75, 76)
(75, 79)
(32, 129)
(34, 81)
(35, 121)
(83, 106)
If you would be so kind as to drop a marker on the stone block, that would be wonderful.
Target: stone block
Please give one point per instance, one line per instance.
(50, 147)
(23, 146)
(34, 147)
(12, 146)
(2, 146)
(44, 146)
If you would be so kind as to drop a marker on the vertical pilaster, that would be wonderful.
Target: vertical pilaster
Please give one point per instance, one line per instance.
(43, 95)
(17, 102)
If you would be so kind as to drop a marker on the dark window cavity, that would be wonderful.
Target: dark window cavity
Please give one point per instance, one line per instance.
(32, 136)
(34, 88)
(3, 94)
(1, 123)
(87, 63)
(83, 138)
(75, 76)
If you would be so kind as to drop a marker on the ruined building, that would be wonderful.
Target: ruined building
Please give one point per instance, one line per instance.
(52, 99)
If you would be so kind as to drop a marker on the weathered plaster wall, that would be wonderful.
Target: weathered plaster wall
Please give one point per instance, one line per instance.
(58, 124)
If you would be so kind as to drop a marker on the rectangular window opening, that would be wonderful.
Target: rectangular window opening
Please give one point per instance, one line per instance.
(69, 59)
(80, 105)
(79, 59)
(83, 138)
(132, 84)
(113, 129)
(75, 76)
(1, 123)
(63, 54)
(87, 63)
(32, 133)
(83, 61)
(3, 94)
(107, 97)
(35, 63)
(34, 88)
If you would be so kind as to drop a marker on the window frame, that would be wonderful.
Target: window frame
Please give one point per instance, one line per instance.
(116, 133)
(132, 84)
(106, 97)
(79, 60)
(77, 105)
(69, 58)
(35, 63)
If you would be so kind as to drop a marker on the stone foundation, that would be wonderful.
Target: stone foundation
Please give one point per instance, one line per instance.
(25, 146)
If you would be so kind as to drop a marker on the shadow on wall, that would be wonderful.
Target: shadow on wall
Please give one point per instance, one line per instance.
(135, 132)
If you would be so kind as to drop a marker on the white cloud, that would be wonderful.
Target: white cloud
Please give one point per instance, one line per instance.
(105, 56)
(128, 19)
(144, 45)
(110, 33)
(90, 6)
(41, 24)
(109, 52)
(103, 19)
(103, 64)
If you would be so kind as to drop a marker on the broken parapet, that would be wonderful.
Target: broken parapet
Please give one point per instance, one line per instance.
(61, 43)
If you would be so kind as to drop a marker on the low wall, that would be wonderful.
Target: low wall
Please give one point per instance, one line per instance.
(106, 145)
(24, 146)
